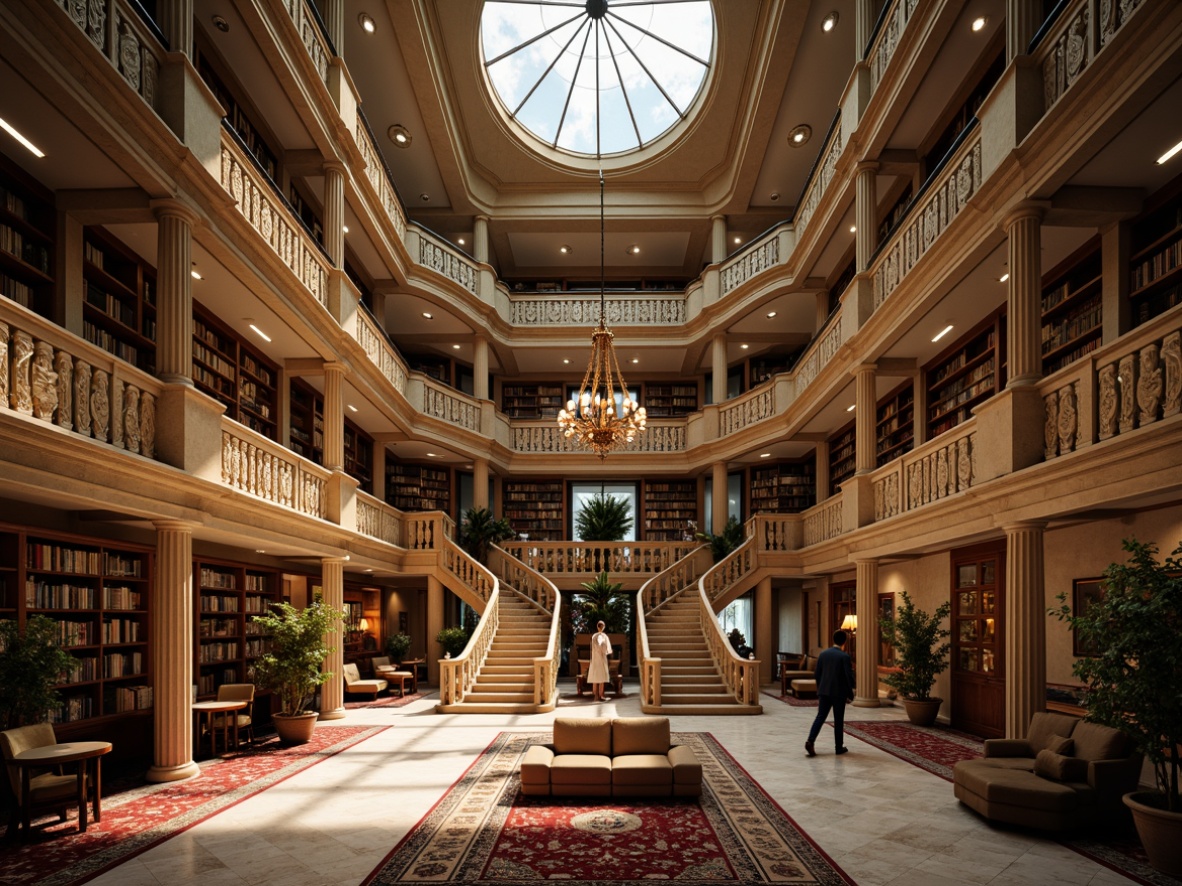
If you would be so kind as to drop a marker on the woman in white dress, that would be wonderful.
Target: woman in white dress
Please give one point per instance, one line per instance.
(597, 672)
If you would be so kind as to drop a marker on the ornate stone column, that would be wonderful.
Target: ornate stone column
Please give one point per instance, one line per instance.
(718, 249)
(863, 25)
(866, 213)
(762, 641)
(174, 292)
(1022, 21)
(480, 367)
(1024, 304)
(718, 368)
(334, 417)
(866, 665)
(1025, 627)
(864, 419)
(332, 693)
(334, 212)
(170, 645)
(333, 14)
(480, 482)
(176, 21)
(434, 626)
(718, 498)
(480, 238)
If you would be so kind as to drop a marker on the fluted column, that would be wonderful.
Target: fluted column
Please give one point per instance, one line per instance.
(866, 213)
(434, 626)
(718, 498)
(480, 367)
(333, 14)
(480, 482)
(170, 646)
(176, 22)
(334, 417)
(1026, 627)
(174, 292)
(718, 248)
(480, 238)
(332, 693)
(1024, 304)
(864, 419)
(1022, 21)
(762, 640)
(334, 212)
(863, 25)
(866, 664)
(718, 367)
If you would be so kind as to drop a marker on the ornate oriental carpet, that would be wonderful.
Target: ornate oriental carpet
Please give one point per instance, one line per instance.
(138, 819)
(793, 700)
(937, 749)
(485, 831)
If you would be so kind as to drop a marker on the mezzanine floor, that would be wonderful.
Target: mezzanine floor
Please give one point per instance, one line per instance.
(883, 820)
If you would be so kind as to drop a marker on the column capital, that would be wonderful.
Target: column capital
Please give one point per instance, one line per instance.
(864, 561)
(332, 164)
(335, 366)
(1023, 211)
(327, 561)
(863, 368)
(172, 208)
(867, 166)
(173, 525)
(481, 218)
(1021, 525)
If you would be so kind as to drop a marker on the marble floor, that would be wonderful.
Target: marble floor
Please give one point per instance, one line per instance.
(881, 819)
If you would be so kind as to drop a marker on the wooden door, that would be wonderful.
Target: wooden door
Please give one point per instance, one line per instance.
(843, 602)
(978, 640)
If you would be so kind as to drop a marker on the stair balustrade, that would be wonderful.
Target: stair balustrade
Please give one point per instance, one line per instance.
(458, 675)
(543, 593)
(589, 558)
(666, 584)
(741, 675)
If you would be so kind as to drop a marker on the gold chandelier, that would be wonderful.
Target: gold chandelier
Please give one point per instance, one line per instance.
(603, 414)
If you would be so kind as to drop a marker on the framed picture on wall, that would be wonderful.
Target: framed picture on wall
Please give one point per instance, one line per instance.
(1085, 592)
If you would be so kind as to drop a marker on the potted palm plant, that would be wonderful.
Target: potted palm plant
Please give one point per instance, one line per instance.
(292, 668)
(920, 656)
(479, 530)
(397, 645)
(601, 600)
(453, 640)
(603, 518)
(1133, 682)
(726, 541)
(32, 664)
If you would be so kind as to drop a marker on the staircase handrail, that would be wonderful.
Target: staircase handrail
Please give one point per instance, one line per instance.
(740, 562)
(544, 594)
(653, 594)
(458, 675)
(594, 557)
(741, 675)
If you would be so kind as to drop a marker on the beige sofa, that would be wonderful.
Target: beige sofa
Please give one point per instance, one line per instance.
(601, 757)
(1065, 774)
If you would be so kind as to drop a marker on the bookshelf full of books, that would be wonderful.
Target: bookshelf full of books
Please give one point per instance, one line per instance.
(415, 487)
(842, 457)
(306, 435)
(894, 428)
(27, 226)
(670, 399)
(965, 375)
(228, 641)
(230, 370)
(1155, 265)
(1072, 308)
(96, 597)
(536, 508)
(788, 487)
(118, 300)
(670, 510)
(532, 401)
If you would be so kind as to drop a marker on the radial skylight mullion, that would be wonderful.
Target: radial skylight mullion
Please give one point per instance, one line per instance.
(573, 80)
(531, 40)
(546, 73)
(623, 87)
(658, 38)
(649, 73)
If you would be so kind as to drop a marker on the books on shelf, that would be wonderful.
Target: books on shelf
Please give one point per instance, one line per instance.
(132, 698)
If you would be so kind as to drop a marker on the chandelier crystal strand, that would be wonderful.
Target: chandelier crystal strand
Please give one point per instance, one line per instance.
(591, 417)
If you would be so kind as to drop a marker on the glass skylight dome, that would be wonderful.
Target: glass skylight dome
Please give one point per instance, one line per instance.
(597, 77)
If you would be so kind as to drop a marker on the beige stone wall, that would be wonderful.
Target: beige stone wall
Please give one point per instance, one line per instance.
(927, 581)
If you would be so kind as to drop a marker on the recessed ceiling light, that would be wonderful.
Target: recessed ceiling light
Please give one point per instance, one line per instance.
(979, 23)
(36, 151)
(830, 22)
(367, 23)
(352, 408)
(851, 407)
(853, 229)
(431, 455)
(460, 240)
(799, 135)
(943, 332)
(400, 135)
(1160, 160)
(565, 250)
(369, 569)
(775, 196)
(221, 24)
(744, 347)
(345, 228)
(738, 240)
(455, 347)
(1004, 277)
(771, 314)
(633, 250)
(196, 276)
(259, 332)
(428, 315)
(635, 359)
(765, 455)
(425, 197)
(259, 551)
(566, 360)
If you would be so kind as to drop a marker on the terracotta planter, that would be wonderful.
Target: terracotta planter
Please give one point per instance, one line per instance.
(1159, 829)
(922, 712)
(295, 728)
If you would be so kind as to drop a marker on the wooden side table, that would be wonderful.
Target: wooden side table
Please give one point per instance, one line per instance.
(205, 711)
(68, 752)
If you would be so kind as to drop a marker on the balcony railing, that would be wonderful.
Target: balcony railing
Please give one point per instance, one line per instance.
(57, 378)
(380, 352)
(931, 472)
(823, 521)
(886, 40)
(546, 437)
(589, 558)
(574, 309)
(752, 261)
(820, 352)
(255, 465)
(822, 174)
(311, 35)
(437, 256)
(122, 37)
(440, 401)
(379, 176)
(379, 520)
(751, 408)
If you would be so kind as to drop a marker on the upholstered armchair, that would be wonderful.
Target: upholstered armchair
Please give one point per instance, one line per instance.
(49, 790)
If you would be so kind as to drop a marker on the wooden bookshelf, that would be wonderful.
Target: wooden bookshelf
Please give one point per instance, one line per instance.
(1155, 266)
(306, 212)
(414, 487)
(842, 457)
(536, 508)
(118, 300)
(306, 435)
(894, 428)
(533, 401)
(243, 121)
(670, 510)
(968, 373)
(1072, 312)
(27, 229)
(785, 488)
(98, 594)
(227, 641)
(670, 399)
(359, 456)
(230, 370)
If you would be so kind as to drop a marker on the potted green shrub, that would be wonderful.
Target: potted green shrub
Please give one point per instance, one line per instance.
(724, 543)
(32, 664)
(603, 518)
(1134, 679)
(920, 656)
(397, 645)
(479, 530)
(601, 600)
(453, 640)
(293, 666)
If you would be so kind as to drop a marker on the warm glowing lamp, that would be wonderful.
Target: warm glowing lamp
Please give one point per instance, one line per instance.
(850, 624)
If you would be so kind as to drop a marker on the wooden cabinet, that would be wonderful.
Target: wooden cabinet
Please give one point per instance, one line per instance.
(412, 487)
(670, 510)
(968, 373)
(98, 596)
(894, 428)
(532, 401)
(1155, 266)
(227, 641)
(119, 300)
(785, 488)
(230, 370)
(670, 399)
(536, 508)
(842, 458)
(27, 226)
(1072, 309)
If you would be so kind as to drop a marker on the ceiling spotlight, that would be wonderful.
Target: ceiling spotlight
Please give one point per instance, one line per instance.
(853, 229)
(460, 241)
(738, 240)
(943, 332)
(851, 407)
(259, 332)
(635, 359)
(260, 550)
(775, 196)
(765, 455)
(352, 408)
(367, 23)
(345, 228)
(428, 315)
(1004, 277)
(425, 197)
(400, 135)
(799, 135)
(566, 360)
(634, 250)
(565, 250)
(771, 314)
(221, 24)
(431, 455)
(830, 22)
(455, 347)
(1170, 153)
(979, 23)
(744, 347)
(195, 274)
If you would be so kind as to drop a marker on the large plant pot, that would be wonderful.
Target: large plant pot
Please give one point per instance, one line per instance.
(295, 728)
(922, 712)
(1159, 829)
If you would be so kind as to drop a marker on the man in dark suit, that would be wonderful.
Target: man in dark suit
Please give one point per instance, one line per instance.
(835, 687)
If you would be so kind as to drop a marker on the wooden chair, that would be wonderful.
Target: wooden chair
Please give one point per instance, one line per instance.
(49, 789)
(237, 720)
(354, 685)
(614, 677)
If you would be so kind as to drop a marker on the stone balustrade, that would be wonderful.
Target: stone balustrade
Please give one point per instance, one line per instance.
(820, 352)
(751, 408)
(741, 675)
(457, 675)
(260, 467)
(311, 35)
(546, 437)
(752, 261)
(823, 521)
(449, 405)
(589, 558)
(520, 577)
(823, 174)
(380, 352)
(427, 531)
(437, 256)
(117, 31)
(569, 309)
(931, 472)
(689, 563)
(777, 533)
(736, 566)
(886, 41)
(376, 519)
(1070, 46)
(379, 177)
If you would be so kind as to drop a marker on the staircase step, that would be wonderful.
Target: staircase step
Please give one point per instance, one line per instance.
(477, 697)
(686, 698)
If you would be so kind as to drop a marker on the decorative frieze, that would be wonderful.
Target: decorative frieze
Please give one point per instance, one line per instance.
(377, 519)
(131, 48)
(748, 410)
(375, 171)
(255, 465)
(823, 174)
(1114, 14)
(561, 310)
(380, 352)
(1138, 388)
(443, 261)
(939, 473)
(823, 522)
(547, 438)
(887, 501)
(751, 263)
(887, 40)
(1065, 54)
(439, 402)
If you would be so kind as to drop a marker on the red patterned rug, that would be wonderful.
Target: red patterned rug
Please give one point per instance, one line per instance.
(485, 831)
(392, 701)
(937, 749)
(793, 700)
(137, 819)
